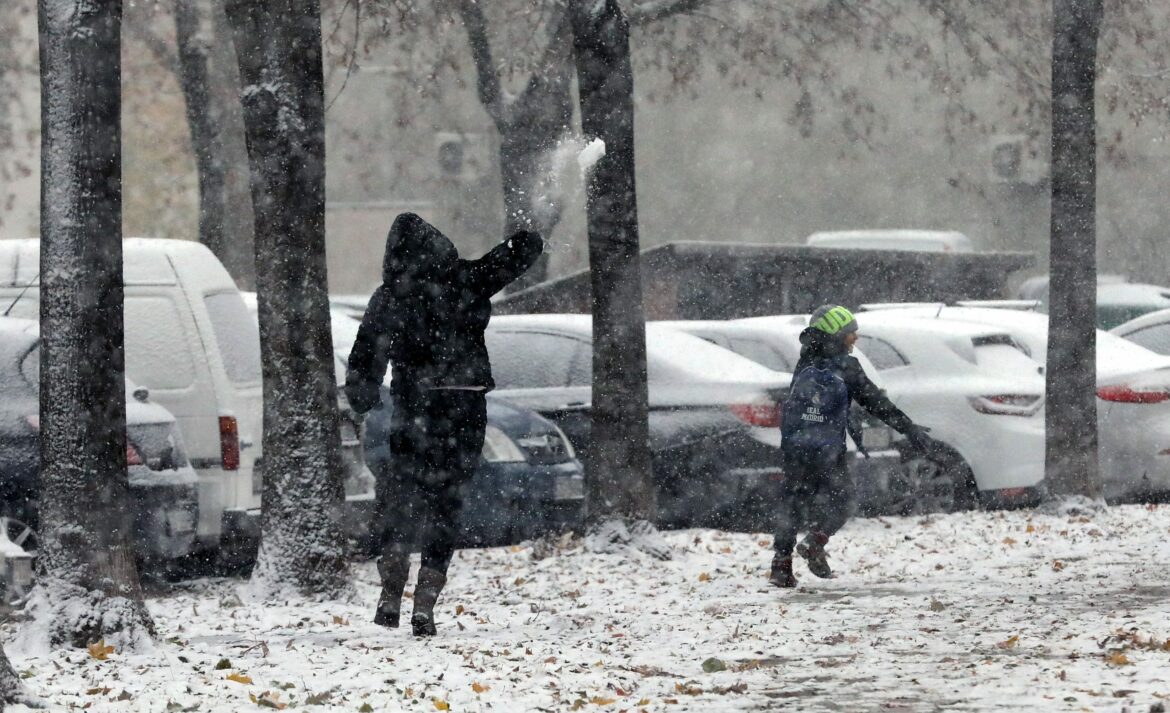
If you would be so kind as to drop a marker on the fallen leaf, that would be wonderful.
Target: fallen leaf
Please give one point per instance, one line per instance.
(704, 577)
(1030, 528)
(99, 650)
(1008, 541)
(479, 687)
(1057, 565)
(97, 691)
(458, 609)
(440, 704)
(239, 678)
(1117, 658)
(340, 621)
(687, 689)
(599, 701)
(1009, 643)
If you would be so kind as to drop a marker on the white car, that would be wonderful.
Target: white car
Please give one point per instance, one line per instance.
(1151, 331)
(1133, 388)
(976, 390)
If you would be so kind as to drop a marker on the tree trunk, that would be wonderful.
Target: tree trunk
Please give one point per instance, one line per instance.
(1071, 462)
(87, 584)
(619, 482)
(207, 119)
(278, 46)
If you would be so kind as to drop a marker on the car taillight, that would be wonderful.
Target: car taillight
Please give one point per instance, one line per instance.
(762, 415)
(229, 442)
(1007, 404)
(1122, 393)
(132, 455)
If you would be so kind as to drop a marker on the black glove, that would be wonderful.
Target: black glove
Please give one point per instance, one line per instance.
(925, 445)
(363, 396)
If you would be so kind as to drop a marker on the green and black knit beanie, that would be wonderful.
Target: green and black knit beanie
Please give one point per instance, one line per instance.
(833, 320)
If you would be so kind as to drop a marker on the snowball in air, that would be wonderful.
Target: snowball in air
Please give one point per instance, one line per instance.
(591, 154)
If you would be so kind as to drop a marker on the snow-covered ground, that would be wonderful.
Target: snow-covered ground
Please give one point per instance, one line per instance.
(979, 611)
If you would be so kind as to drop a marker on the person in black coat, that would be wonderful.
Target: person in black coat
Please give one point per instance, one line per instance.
(427, 320)
(815, 490)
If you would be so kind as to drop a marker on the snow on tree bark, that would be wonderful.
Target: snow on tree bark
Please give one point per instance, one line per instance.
(278, 46)
(11, 689)
(619, 482)
(1071, 458)
(207, 119)
(87, 583)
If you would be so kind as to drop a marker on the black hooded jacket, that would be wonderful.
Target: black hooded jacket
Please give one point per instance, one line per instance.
(428, 316)
(816, 345)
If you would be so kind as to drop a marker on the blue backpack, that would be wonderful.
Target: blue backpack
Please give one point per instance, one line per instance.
(816, 412)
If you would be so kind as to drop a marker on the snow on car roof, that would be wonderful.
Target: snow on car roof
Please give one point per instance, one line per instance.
(1132, 293)
(684, 356)
(1115, 355)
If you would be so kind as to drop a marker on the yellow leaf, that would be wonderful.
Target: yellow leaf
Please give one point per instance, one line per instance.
(339, 621)
(1008, 541)
(479, 687)
(599, 701)
(99, 650)
(1117, 658)
(458, 609)
(1010, 643)
(704, 577)
(440, 704)
(643, 702)
(239, 678)
(1030, 528)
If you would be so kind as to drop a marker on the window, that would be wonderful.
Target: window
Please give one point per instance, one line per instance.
(760, 353)
(881, 353)
(237, 335)
(1004, 359)
(530, 360)
(1155, 338)
(157, 352)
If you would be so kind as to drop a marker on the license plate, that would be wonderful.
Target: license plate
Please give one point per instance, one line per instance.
(568, 487)
(180, 522)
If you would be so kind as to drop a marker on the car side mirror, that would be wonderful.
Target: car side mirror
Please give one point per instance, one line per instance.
(141, 394)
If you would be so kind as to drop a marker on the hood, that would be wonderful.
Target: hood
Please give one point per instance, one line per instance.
(416, 249)
(818, 344)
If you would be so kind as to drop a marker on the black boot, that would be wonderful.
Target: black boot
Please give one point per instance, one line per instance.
(426, 593)
(812, 549)
(782, 575)
(394, 568)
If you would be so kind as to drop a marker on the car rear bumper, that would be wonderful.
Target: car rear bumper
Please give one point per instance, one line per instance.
(1007, 453)
(166, 512)
(1134, 450)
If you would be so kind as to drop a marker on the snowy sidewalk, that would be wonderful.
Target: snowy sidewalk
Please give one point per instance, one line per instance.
(980, 611)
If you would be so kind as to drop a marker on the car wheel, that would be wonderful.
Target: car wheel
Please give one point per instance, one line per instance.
(928, 486)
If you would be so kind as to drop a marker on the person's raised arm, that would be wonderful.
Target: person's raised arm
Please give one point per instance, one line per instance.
(503, 263)
(370, 353)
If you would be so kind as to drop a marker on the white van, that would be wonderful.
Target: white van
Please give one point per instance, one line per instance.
(191, 341)
(946, 241)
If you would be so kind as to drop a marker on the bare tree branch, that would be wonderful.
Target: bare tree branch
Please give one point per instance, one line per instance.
(158, 46)
(653, 10)
(487, 81)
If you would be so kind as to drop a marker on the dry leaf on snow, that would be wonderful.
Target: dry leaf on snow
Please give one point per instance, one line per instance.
(99, 650)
